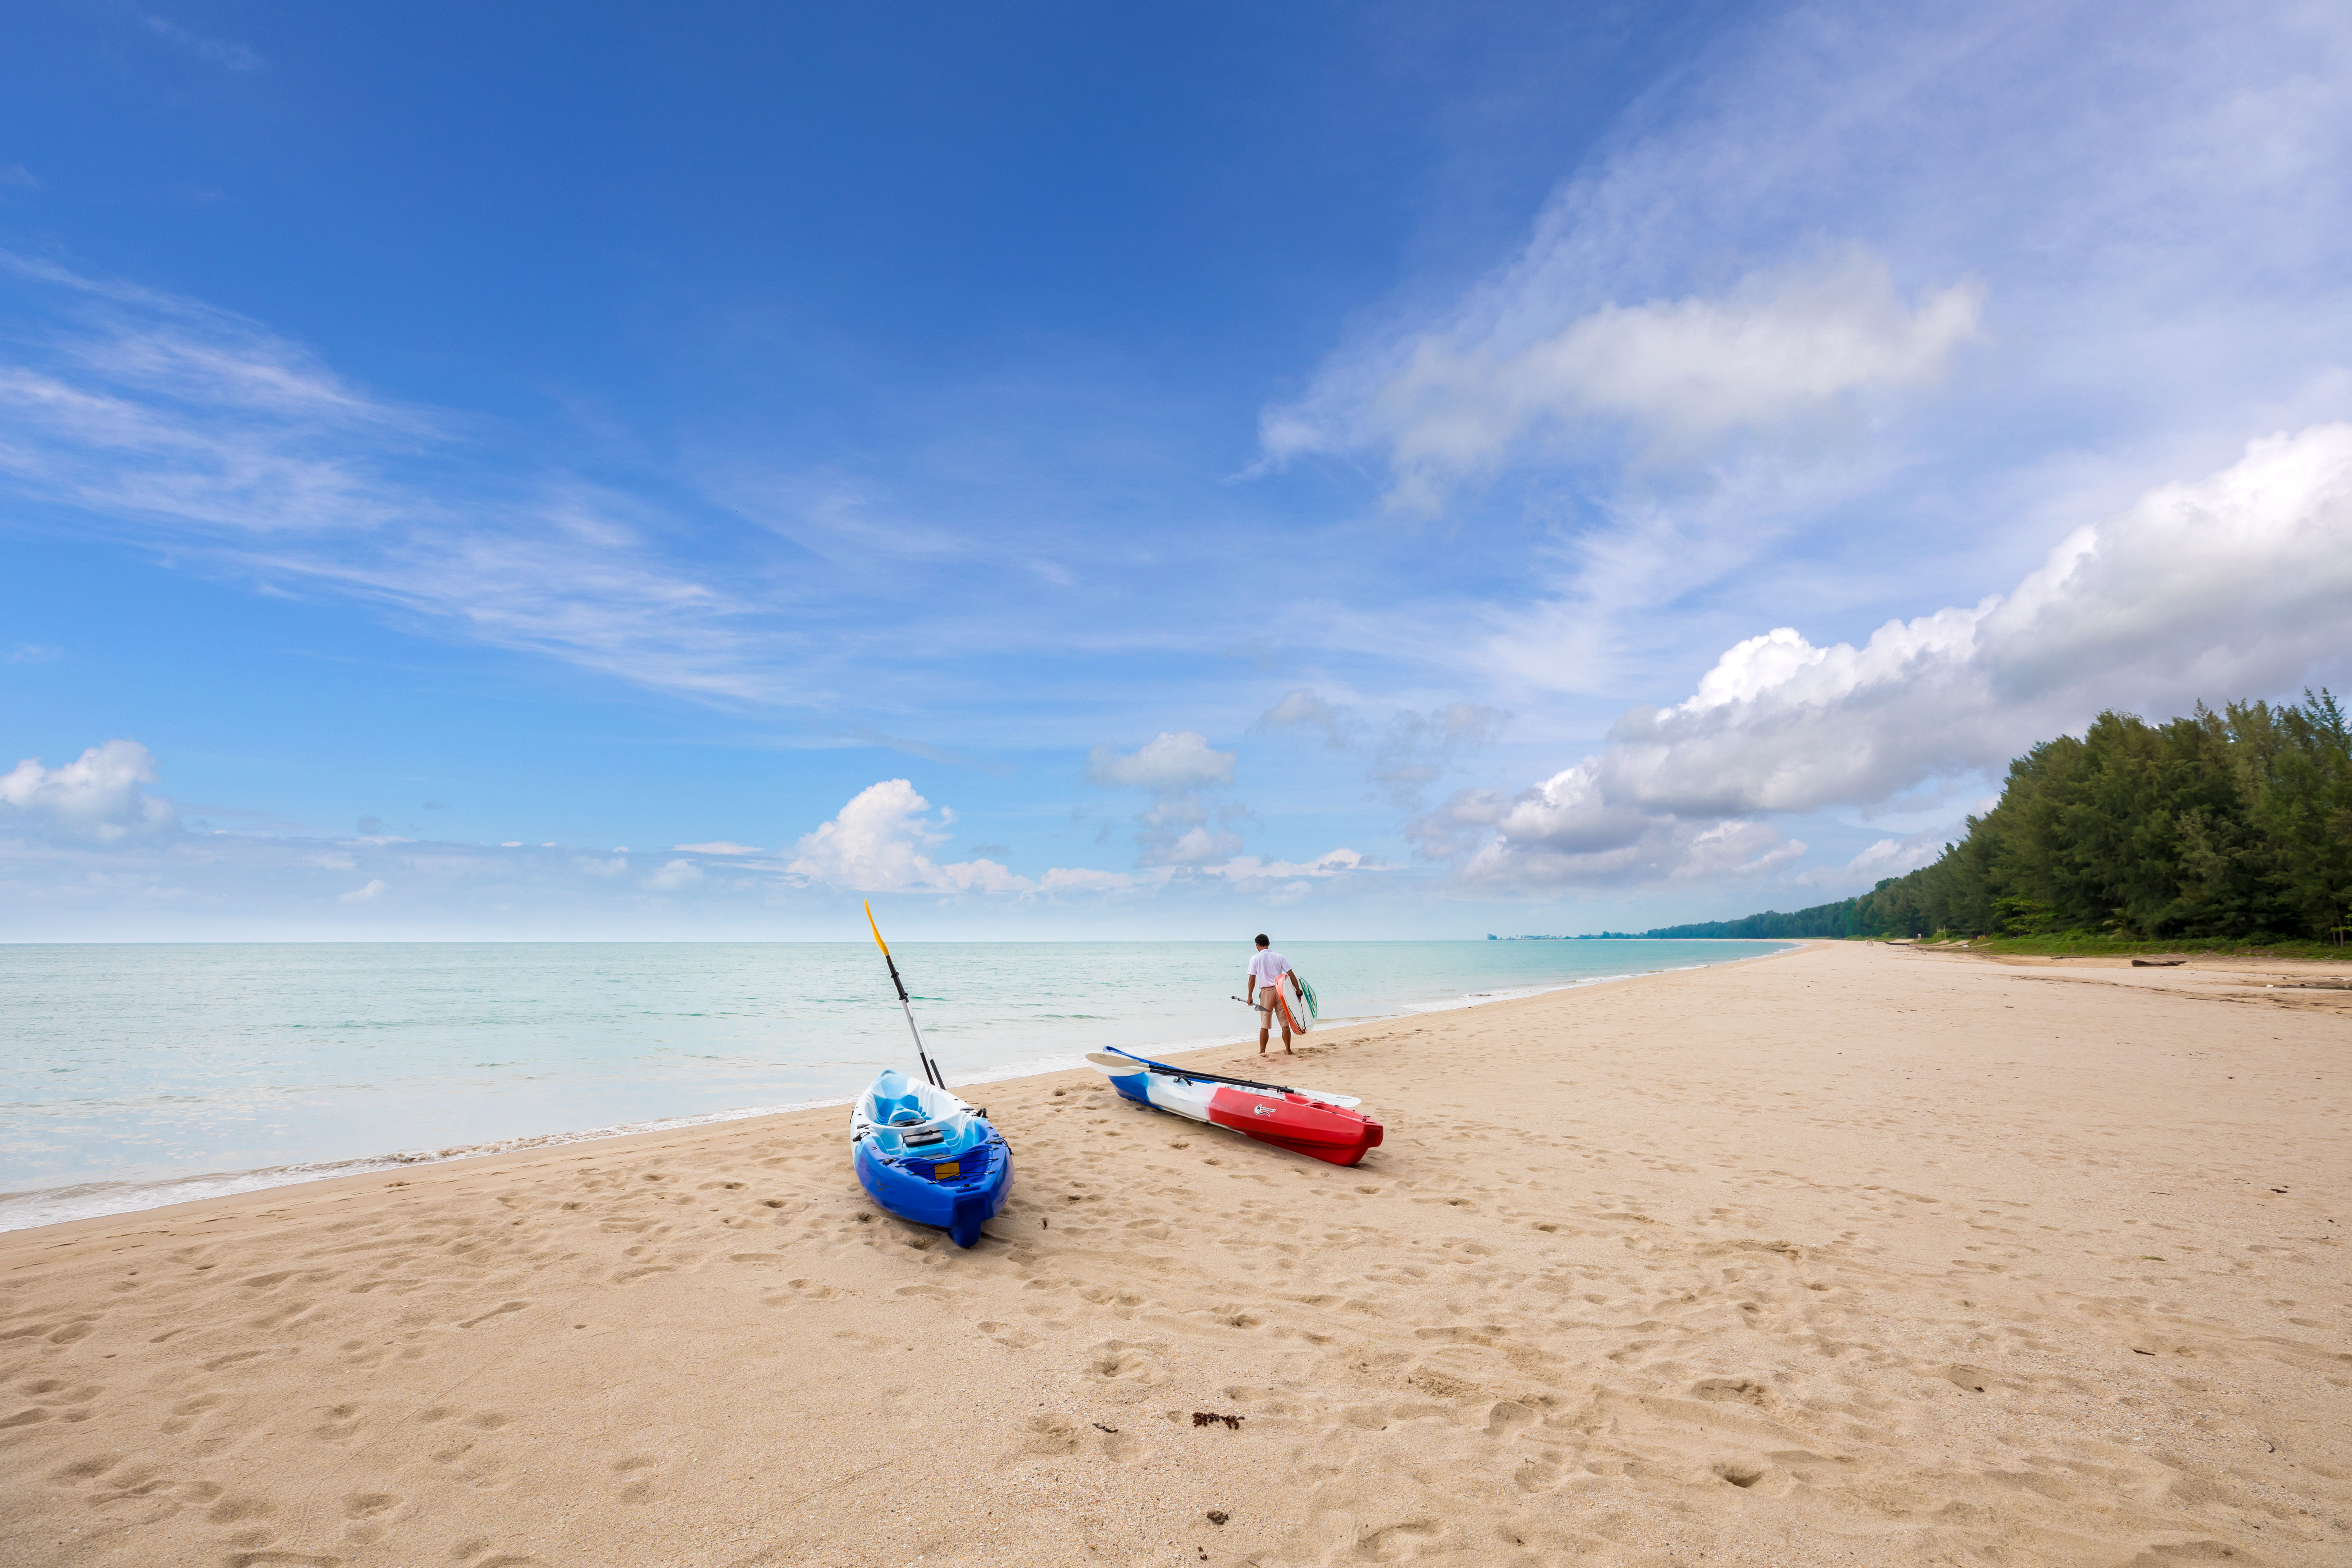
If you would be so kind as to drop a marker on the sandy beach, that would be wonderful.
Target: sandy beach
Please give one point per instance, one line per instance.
(1857, 1254)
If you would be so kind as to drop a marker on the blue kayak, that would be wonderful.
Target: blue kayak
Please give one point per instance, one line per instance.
(927, 1156)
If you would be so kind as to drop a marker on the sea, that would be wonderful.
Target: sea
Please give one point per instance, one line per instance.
(137, 1075)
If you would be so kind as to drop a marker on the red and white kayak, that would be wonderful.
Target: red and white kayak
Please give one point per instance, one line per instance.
(1320, 1126)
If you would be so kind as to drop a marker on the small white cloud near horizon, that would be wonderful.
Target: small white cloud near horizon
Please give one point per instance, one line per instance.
(675, 875)
(717, 846)
(99, 799)
(374, 890)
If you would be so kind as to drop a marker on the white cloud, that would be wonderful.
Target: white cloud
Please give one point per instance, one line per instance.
(1340, 862)
(2238, 585)
(675, 875)
(718, 847)
(225, 53)
(1777, 349)
(1887, 858)
(1194, 847)
(876, 844)
(374, 890)
(99, 799)
(1083, 880)
(1169, 762)
(1302, 709)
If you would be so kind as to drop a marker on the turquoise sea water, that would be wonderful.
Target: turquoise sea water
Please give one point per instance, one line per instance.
(134, 1075)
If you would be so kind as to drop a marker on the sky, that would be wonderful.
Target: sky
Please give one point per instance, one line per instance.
(1066, 471)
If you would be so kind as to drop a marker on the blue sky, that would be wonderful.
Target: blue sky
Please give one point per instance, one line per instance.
(1064, 471)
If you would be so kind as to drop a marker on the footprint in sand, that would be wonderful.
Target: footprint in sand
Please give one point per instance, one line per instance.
(1745, 1391)
(340, 1422)
(1117, 1359)
(1008, 1336)
(1507, 1418)
(1396, 1542)
(638, 1472)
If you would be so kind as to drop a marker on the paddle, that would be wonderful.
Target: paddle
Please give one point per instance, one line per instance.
(1281, 1003)
(1113, 1059)
(930, 1069)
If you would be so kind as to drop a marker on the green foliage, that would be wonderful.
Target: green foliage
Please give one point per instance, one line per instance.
(1822, 920)
(2234, 826)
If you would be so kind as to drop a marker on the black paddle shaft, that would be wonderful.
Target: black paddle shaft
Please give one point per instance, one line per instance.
(930, 1069)
(1210, 1077)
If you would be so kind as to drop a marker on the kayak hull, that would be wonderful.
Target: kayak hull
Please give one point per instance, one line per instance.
(926, 1156)
(1287, 1120)
(958, 1205)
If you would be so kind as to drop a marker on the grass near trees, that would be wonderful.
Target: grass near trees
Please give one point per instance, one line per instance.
(2087, 944)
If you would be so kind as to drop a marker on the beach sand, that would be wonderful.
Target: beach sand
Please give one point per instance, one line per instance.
(1858, 1254)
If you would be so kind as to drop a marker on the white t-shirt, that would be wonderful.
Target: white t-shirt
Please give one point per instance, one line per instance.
(1268, 968)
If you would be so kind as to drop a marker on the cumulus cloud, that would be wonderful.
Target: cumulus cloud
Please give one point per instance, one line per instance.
(1777, 349)
(373, 891)
(1176, 829)
(674, 875)
(1168, 762)
(877, 844)
(99, 799)
(2239, 583)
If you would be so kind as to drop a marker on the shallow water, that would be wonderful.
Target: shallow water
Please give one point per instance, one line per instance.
(131, 1068)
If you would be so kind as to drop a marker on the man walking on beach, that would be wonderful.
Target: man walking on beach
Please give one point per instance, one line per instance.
(1267, 970)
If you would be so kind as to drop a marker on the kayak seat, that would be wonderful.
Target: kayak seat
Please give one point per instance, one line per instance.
(900, 1110)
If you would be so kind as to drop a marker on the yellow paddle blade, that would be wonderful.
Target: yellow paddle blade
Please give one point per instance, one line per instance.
(877, 930)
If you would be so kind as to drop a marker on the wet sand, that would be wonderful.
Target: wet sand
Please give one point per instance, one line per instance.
(1858, 1254)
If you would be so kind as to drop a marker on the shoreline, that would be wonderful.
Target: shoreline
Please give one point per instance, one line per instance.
(49, 1206)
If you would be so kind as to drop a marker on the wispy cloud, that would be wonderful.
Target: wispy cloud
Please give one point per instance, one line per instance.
(162, 419)
(1779, 351)
(225, 53)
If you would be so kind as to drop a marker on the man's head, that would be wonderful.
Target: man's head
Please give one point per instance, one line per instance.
(1261, 940)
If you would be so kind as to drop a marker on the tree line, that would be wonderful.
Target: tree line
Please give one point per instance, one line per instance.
(2231, 825)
